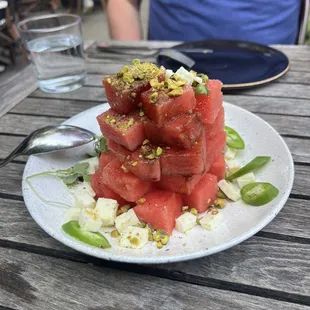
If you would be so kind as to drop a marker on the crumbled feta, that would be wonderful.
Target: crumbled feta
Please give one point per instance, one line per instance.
(211, 220)
(93, 164)
(187, 76)
(126, 219)
(107, 209)
(169, 73)
(185, 222)
(230, 190)
(72, 214)
(134, 237)
(232, 166)
(246, 179)
(89, 220)
(230, 153)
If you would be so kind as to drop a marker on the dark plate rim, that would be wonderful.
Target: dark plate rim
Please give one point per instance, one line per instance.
(243, 85)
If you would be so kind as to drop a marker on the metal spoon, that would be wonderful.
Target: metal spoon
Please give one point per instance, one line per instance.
(51, 139)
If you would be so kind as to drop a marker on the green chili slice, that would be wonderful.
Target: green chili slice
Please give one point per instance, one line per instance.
(258, 193)
(233, 139)
(96, 239)
(256, 163)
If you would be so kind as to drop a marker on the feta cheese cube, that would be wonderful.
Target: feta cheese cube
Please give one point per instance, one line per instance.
(83, 187)
(93, 164)
(230, 153)
(134, 237)
(185, 222)
(72, 214)
(107, 209)
(89, 220)
(232, 166)
(246, 179)
(83, 195)
(230, 190)
(211, 221)
(126, 219)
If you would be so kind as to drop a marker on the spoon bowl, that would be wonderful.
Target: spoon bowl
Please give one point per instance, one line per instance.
(51, 139)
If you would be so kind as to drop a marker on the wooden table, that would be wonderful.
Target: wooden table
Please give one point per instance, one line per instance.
(269, 271)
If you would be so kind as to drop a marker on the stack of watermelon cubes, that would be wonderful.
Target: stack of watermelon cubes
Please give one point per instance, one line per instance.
(165, 146)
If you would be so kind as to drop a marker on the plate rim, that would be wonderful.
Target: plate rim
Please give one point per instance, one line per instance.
(227, 87)
(102, 254)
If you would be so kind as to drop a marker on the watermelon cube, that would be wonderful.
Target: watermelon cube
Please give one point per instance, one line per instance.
(120, 152)
(203, 195)
(214, 147)
(105, 158)
(102, 190)
(144, 168)
(160, 209)
(127, 130)
(185, 162)
(217, 126)
(209, 105)
(166, 108)
(218, 167)
(178, 183)
(181, 132)
(124, 100)
(125, 184)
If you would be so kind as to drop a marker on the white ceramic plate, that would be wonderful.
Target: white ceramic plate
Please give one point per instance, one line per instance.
(241, 221)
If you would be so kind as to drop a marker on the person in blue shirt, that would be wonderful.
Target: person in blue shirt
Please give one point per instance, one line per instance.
(261, 21)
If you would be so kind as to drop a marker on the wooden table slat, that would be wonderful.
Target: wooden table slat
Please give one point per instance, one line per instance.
(53, 283)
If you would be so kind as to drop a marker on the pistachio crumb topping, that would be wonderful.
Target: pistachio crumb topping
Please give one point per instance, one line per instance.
(120, 122)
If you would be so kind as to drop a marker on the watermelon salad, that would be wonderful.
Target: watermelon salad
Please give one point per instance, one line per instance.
(164, 162)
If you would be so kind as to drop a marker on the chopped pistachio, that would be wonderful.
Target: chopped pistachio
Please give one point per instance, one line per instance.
(135, 241)
(150, 156)
(141, 200)
(159, 151)
(136, 61)
(133, 95)
(134, 163)
(108, 80)
(141, 113)
(176, 92)
(193, 211)
(123, 209)
(114, 233)
(159, 244)
(185, 208)
(220, 203)
(124, 168)
(131, 122)
(201, 89)
(146, 141)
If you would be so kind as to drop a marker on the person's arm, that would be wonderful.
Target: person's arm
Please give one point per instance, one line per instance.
(124, 19)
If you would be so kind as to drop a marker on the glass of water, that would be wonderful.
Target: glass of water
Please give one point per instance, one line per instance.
(55, 44)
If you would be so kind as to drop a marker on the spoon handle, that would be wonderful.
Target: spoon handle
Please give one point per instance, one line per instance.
(8, 159)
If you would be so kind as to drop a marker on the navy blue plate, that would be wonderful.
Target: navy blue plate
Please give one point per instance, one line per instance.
(238, 64)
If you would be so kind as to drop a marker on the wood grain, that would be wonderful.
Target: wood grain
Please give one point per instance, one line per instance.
(21, 124)
(16, 89)
(59, 284)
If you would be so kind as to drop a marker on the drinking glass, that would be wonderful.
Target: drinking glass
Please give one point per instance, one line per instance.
(55, 44)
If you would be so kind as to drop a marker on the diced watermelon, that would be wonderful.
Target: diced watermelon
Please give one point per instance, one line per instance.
(166, 108)
(203, 195)
(160, 209)
(185, 162)
(102, 190)
(120, 152)
(179, 184)
(218, 167)
(127, 130)
(105, 158)
(217, 126)
(126, 184)
(145, 169)
(209, 105)
(182, 131)
(124, 100)
(214, 147)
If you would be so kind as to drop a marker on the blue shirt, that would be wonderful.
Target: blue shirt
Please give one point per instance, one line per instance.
(261, 21)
